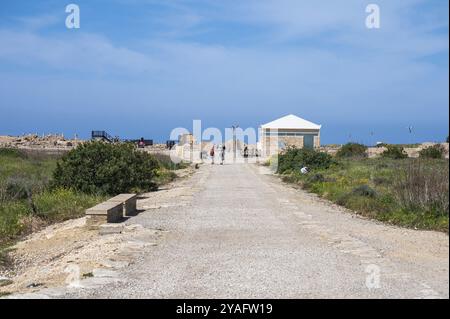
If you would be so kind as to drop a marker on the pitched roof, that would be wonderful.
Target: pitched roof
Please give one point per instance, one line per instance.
(291, 122)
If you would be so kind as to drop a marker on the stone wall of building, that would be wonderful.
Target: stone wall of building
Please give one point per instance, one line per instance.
(317, 141)
(271, 145)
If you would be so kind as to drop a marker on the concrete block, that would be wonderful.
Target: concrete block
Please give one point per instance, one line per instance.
(110, 212)
(128, 201)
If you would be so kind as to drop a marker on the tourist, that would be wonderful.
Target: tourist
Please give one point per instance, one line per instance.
(211, 153)
(222, 155)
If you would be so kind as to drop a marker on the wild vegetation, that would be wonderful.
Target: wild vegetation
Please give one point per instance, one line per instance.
(36, 190)
(435, 151)
(402, 191)
(352, 150)
(394, 152)
(294, 159)
(108, 169)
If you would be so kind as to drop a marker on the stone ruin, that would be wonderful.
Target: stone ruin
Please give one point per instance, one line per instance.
(36, 141)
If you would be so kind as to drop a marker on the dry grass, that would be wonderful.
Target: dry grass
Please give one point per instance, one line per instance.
(420, 186)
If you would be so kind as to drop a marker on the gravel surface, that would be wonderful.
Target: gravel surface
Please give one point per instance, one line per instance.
(234, 231)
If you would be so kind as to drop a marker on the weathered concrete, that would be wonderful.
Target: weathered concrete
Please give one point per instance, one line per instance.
(110, 212)
(128, 201)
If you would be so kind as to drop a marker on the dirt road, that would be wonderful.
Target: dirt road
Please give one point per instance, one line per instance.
(233, 231)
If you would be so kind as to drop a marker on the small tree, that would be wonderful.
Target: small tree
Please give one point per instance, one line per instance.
(352, 150)
(101, 168)
(435, 151)
(395, 152)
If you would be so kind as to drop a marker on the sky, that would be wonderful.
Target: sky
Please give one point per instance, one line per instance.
(140, 68)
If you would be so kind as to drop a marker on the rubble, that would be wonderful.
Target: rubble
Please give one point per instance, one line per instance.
(57, 141)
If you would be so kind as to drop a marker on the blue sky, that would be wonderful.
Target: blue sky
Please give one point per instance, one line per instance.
(143, 67)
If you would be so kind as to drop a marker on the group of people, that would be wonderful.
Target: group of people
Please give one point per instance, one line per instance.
(222, 154)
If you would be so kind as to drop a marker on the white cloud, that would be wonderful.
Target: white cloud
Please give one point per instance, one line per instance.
(85, 53)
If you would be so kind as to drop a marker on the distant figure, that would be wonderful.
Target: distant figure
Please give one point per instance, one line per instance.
(304, 170)
(141, 143)
(245, 151)
(211, 153)
(222, 155)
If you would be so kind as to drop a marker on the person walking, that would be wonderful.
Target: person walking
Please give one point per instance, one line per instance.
(222, 155)
(211, 153)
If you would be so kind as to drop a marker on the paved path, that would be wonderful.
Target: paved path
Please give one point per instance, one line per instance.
(243, 234)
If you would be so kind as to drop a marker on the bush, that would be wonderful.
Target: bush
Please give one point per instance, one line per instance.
(435, 151)
(352, 150)
(295, 159)
(101, 168)
(365, 191)
(394, 152)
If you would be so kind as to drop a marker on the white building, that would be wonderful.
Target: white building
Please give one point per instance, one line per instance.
(287, 131)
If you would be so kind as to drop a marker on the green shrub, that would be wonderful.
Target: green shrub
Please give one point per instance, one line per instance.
(352, 150)
(435, 151)
(101, 168)
(294, 159)
(365, 191)
(394, 152)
